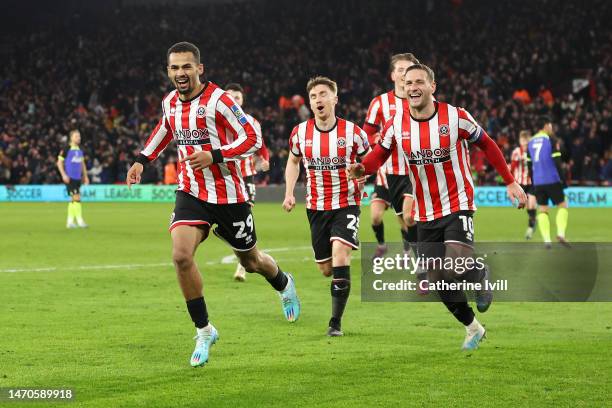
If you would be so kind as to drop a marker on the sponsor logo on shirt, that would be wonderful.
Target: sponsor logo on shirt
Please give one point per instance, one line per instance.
(239, 114)
(76, 158)
(429, 156)
(326, 163)
(191, 137)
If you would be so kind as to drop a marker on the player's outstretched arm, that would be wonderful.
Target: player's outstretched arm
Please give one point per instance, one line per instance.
(292, 172)
(370, 163)
(496, 158)
(134, 174)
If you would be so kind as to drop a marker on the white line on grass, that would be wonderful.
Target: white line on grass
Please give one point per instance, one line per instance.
(225, 260)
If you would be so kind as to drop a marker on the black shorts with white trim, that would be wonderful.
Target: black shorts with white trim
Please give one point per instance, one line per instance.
(235, 222)
(335, 225)
(457, 228)
(399, 188)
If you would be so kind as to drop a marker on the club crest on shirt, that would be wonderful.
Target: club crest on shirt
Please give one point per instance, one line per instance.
(308, 143)
(444, 130)
(201, 112)
(172, 110)
(239, 114)
(341, 142)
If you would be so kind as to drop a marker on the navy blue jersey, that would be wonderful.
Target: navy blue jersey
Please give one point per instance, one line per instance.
(542, 154)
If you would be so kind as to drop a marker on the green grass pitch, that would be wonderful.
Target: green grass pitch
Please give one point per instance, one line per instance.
(99, 311)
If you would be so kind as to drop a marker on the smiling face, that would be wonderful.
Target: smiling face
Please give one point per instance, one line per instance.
(419, 88)
(184, 72)
(323, 101)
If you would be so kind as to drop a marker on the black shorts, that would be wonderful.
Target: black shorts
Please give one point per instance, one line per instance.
(73, 187)
(334, 225)
(249, 182)
(235, 223)
(553, 191)
(527, 188)
(399, 188)
(381, 193)
(456, 227)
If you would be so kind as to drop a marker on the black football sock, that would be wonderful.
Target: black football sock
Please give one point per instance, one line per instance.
(279, 282)
(412, 238)
(406, 239)
(340, 289)
(197, 311)
(532, 218)
(456, 303)
(379, 231)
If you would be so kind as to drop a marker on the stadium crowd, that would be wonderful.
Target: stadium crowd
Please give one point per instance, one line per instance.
(101, 69)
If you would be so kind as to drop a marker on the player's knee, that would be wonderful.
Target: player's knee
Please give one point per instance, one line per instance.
(76, 197)
(182, 258)
(408, 220)
(342, 259)
(325, 268)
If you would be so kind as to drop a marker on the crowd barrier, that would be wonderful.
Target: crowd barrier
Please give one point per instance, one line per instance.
(590, 197)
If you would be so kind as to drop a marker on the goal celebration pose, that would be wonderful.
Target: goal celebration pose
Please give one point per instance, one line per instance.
(434, 137)
(212, 134)
(326, 145)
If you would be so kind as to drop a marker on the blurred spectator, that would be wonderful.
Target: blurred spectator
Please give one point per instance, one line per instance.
(100, 67)
(170, 176)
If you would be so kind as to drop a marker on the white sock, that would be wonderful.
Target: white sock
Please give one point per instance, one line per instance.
(203, 329)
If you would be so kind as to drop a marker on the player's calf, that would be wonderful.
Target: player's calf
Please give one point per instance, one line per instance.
(259, 262)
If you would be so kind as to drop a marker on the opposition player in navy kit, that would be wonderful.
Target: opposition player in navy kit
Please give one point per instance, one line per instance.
(545, 168)
(212, 134)
(71, 165)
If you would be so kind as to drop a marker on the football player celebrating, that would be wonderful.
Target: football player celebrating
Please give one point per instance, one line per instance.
(326, 145)
(435, 137)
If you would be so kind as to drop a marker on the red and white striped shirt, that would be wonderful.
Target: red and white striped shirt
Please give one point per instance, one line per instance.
(247, 166)
(518, 166)
(210, 121)
(382, 108)
(438, 158)
(325, 156)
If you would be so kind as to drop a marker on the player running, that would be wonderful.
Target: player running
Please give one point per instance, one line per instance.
(326, 145)
(71, 165)
(212, 134)
(248, 167)
(520, 171)
(434, 136)
(393, 188)
(545, 168)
